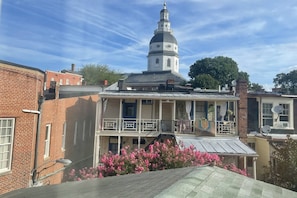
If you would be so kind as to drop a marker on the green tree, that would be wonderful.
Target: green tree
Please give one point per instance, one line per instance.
(243, 76)
(222, 69)
(205, 81)
(283, 171)
(97, 74)
(256, 87)
(287, 83)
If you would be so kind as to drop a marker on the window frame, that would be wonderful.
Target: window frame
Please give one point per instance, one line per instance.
(63, 147)
(75, 134)
(84, 130)
(268, 114)
(47, 141)
(285, 113)
(10, 144)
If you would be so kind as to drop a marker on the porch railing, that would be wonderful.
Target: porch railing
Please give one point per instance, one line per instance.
(184, 126)
(163, 126)
(225, 128)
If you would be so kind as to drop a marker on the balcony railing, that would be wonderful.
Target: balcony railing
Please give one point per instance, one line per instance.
(162, 126)
(225, 128)
(184, 126)
(130, 125)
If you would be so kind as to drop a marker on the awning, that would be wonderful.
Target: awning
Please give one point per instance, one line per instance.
(217, 145)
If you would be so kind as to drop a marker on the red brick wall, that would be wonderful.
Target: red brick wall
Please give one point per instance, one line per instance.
(69, 110)
(20, 89)
(241, 90)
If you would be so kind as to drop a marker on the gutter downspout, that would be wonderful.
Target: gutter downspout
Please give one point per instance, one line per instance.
(34, 170)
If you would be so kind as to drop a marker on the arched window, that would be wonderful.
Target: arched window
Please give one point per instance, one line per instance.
(168, 62)
(157, 61)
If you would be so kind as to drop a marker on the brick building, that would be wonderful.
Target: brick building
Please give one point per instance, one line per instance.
(21, 88)
(35, 131)
(70, 123)
(65, 77)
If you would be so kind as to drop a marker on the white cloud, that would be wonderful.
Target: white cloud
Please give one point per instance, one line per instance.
(259, 35)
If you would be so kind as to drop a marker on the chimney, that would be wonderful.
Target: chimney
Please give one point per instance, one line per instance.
(121, 84)
(72, 67)
(241, 91)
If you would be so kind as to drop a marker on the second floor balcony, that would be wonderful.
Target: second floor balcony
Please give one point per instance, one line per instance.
(155, 127)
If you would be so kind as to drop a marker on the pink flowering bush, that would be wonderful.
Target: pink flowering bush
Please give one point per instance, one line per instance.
(232, 167)
(159, 156)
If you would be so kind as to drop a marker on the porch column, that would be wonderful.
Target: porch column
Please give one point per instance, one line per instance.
(255, 167)
(174, 116)
(139, 117)
(244, 162)
(120, 115)
(160, 114)
(119, 144)
(96, 154)
(98, 129)
(215, 119)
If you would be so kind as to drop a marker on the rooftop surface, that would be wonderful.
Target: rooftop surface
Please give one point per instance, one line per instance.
(218, 145)
(191, 182)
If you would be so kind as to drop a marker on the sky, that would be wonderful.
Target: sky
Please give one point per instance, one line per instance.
(259, 35)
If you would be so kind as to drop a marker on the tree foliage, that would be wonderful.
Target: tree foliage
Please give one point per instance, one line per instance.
(283, 171)
(205, 81)
(256, 87)
(97, 74)
(287, 82)
(220, 68)
(243, 76)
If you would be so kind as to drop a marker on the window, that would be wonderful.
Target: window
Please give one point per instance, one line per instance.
(6, 142)
(267, 114)
(157, 61)
(168, 62)
(75, 134)
(284, 116)
(84, 130)
(47, 140)
(61, 81)
(135, 141)
(67, 81)
(90, 128)
(113, 145)
(129, 110)
(64, 135)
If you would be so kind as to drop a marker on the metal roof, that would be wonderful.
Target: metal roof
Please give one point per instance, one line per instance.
(163, 37)
(192, 182)
(168, 95)
(217, 145)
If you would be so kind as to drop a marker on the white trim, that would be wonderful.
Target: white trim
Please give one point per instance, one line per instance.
(8, 168)
(75, 134)
(47, 141)
(64, 136)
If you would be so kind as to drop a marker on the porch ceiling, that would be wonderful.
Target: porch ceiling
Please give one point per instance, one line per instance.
(170, 95)
(218, 145)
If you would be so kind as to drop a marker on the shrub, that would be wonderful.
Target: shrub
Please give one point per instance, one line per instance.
(159, 156)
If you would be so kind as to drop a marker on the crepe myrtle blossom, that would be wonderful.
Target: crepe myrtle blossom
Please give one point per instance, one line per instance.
(158, 156)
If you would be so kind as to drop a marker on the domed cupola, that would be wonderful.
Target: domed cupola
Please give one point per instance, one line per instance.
(163, 49)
